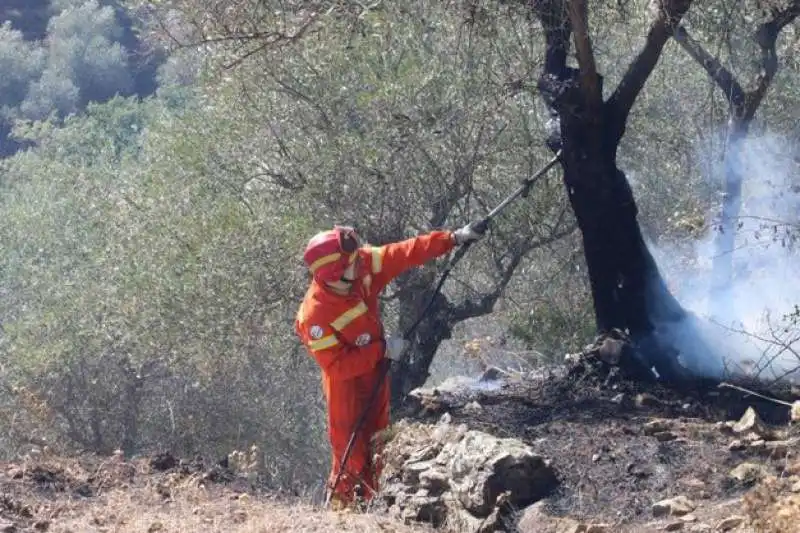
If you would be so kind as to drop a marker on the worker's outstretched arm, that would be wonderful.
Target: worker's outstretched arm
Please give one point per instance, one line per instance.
(391, 260)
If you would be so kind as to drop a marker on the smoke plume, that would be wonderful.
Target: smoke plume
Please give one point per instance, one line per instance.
(754, 331)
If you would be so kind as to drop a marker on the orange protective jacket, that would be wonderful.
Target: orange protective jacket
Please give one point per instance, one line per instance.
(345, 335)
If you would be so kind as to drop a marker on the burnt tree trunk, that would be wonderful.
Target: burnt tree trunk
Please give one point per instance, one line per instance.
(628, 291)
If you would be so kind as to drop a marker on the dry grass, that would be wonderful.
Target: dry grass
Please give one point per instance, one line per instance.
(128, 498)
(197, 510)
(772, 507)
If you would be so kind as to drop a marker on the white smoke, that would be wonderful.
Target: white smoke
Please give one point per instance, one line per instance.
(751, 331)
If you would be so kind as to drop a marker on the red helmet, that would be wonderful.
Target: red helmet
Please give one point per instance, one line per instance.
(329, 253)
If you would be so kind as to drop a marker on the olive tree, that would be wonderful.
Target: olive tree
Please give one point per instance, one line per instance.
(400, 120)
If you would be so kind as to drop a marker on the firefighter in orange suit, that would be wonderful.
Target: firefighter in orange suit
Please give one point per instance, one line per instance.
(340, 325)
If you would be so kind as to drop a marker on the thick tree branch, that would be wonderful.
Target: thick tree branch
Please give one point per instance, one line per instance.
(766, 37)
(590, 81)
(667, 17)
(783, 17)
(557, 28)
(744, 103)
(723, 77)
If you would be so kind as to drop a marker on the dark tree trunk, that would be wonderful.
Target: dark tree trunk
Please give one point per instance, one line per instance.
(628, 291)
(435, 328)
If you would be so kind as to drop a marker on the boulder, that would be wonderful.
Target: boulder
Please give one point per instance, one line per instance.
(750, 423)
(448, 473)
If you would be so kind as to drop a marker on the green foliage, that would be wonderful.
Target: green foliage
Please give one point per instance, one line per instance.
(81, 59)
(20, 63)
(147, 301)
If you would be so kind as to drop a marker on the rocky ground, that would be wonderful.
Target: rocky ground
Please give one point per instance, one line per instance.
(599, 453)
(581, 449)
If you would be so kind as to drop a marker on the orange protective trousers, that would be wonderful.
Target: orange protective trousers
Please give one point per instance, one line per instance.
(345, 336)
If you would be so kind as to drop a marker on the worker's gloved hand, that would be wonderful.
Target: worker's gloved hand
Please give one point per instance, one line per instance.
(469, 233)
(395, 347)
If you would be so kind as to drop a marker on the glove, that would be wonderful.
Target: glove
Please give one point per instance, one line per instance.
(468, 233)
(395, 347)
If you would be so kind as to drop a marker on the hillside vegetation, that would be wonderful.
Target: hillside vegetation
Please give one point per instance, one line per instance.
(164, 163)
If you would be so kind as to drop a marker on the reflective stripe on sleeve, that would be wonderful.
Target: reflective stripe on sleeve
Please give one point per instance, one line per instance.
(328, 341)
(348, 316)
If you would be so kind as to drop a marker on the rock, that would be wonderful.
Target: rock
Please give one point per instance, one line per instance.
(481, 467)
(597, 528)
(610, 350)
(619, 398)
(473, 407)
(665, 436)
(434, 481)
(752, 438)
(535, 519)
(795, 412)
(424, 454)
(736, 445)
(750, 423)
(692, 482)
(730, 523)
(7, 526)
(657, 425)
(748, 473)
(423, 508)
(677, 506)
(646, 400)
(700, 528)
(492, 373)
(674, 526)
(451, 474)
